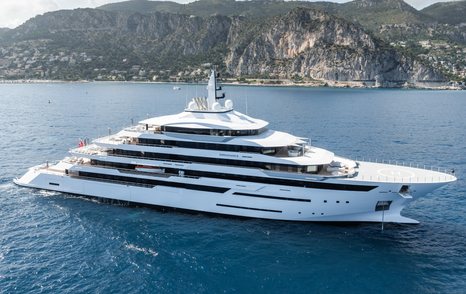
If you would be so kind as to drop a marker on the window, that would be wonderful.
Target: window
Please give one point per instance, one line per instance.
(222, 161)
(311, 169)
(213, 132)
(246, 178)
(404, 189)
(279, 151)
(149, 182)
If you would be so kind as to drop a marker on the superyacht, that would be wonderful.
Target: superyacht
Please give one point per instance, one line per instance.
(211, 158)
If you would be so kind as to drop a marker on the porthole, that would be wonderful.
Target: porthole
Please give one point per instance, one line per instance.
(347, 201)
(321, 213)
(338, 201)
(325, 201)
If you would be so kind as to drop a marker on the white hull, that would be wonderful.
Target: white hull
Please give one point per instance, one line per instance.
(213, 159)
(243, 199)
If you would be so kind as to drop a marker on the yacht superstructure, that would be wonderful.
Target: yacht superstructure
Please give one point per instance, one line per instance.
(214, 159)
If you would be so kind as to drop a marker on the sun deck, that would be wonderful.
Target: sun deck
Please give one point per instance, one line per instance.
(382, 172)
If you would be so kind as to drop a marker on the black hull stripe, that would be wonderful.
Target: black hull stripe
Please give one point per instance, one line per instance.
(249, 208)
(272, 197)
(150, 183)
(283, 182)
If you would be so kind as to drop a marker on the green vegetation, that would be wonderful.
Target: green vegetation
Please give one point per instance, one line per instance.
(254, 9)
(133, 40)
(453, 12)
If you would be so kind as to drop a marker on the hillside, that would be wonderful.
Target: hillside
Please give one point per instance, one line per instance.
(167, 37)
(314, 44)
(372, 13)
(253, 9)
(105, 39)
(3, 31)
(144, 6)
(447, 12)
(367, 12)
(435, 38)
(304, 43)
(391, 20)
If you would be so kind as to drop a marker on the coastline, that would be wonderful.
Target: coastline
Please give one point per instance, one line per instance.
(259, 83)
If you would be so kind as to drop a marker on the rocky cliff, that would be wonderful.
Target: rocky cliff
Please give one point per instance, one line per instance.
(304, 42)
(161, 32)
(314, 44)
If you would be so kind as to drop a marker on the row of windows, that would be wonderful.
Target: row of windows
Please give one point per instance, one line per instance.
(280, 151)
(151, 182)
(212, 132)
(233, 162)
(246, 178)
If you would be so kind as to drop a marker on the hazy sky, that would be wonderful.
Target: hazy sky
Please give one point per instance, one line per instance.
(15, 12)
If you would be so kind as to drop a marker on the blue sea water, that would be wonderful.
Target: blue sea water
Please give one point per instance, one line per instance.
(58, 243)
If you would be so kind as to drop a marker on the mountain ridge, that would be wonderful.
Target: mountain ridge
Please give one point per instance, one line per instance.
(453, 12)
(308, 43)
(261, 8)
(305, 43)
(314, 44)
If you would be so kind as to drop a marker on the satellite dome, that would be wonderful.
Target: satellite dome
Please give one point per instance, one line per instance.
(228, 104)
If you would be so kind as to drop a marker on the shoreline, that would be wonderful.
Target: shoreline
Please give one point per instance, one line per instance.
(257, 83)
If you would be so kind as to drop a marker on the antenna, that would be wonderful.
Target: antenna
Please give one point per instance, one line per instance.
(218, 88)
(155, 106)
(246, 100)
(383, 216)
(186, 98)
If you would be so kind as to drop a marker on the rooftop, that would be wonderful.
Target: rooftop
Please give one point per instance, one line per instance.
(229, 120)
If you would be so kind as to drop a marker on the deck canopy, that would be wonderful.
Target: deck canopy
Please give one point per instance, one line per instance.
(228, 120)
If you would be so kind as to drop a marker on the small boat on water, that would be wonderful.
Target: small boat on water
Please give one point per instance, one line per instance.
(176, 88)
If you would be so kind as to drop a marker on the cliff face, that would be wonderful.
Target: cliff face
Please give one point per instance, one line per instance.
(143, 32)
(316, 45)
(304, 42)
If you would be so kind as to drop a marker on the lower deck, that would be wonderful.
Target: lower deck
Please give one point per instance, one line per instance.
(228, 197)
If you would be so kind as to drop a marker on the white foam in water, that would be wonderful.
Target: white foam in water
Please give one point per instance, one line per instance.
(143, 250)
(69, 249)
(7, 186)
(48, 193)
(93, 200)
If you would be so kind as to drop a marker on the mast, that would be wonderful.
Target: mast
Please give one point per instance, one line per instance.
(210, 103)
(212, 90)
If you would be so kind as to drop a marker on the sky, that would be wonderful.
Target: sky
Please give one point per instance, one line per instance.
(15, 12)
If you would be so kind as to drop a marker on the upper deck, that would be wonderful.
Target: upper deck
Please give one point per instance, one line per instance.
(230, 120)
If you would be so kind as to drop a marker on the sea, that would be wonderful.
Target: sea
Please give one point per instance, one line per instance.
(59, 243)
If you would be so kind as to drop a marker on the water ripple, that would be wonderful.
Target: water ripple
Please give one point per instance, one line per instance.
(58, 243)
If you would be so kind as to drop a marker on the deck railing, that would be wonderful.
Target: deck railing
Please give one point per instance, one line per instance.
(446, 174)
